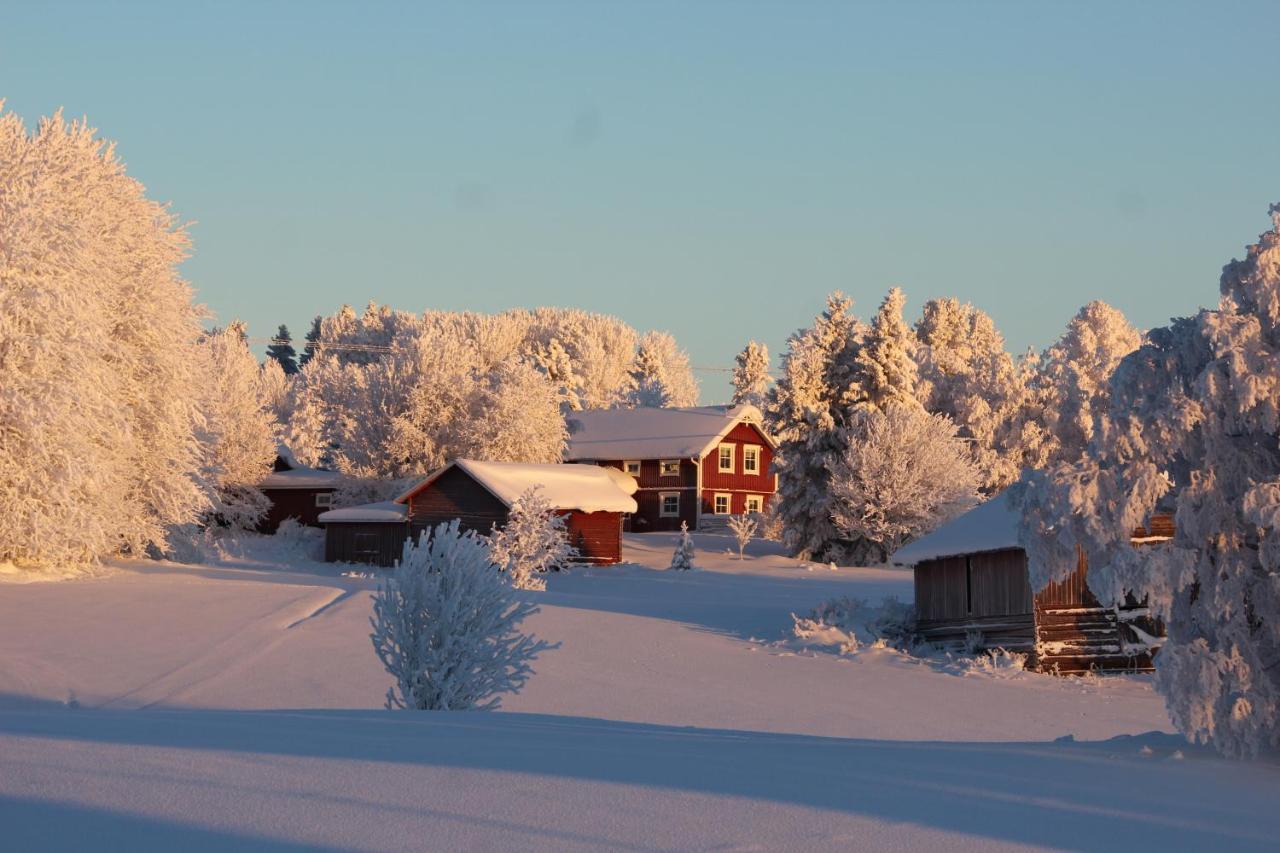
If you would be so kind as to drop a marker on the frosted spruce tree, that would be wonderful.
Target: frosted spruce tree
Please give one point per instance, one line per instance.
(904, 473)
(807, 414)
(1190, 428)
(661, 374)
(99, 392)
(751, 375)
(885, 363)
(446, 625)
(534, 541)
(682, 558)
(966, 374)
(1075, 373)
(238, 432)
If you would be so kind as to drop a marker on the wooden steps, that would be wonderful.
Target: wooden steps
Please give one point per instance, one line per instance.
(1079, 640)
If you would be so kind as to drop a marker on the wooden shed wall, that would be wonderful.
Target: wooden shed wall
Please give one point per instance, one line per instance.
(454, 494)
(292, 503)
(376, 543)
(596, 535)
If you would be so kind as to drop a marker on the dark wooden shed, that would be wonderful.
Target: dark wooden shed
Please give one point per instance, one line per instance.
(973, 590)
(479, 496)
(296, 491)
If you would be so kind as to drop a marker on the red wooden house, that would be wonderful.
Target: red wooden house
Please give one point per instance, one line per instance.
(689, 463)
(296, 492)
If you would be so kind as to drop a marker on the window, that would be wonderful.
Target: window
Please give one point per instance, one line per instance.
(324, 500)
(750, 459)
(669, 467)
(755, 503)
(722, 503)
(670, 505)
(726, 458)
(632, 468)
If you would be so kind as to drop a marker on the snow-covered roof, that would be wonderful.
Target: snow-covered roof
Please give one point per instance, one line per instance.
(992, 526)
(382, 511)
(651, 433)
(588, 488)
(301, 477)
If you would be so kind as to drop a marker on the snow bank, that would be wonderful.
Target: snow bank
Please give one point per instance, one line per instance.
(381, 511)
(588, 488)
(652, 433)
(992, 526)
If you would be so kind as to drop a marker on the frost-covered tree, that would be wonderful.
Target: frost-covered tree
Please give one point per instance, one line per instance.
(446, 625)
(661, 374)
(282, 352)
(682, 557)
(743, 527)
(1190, 428)
(99, 393)
(967, 375)
(751, 375)
(534, 540)
(885, 364)
(276, 391)
(238, 432)
(808, 411)
(904, 473)
(513, 416)
(1075, 373)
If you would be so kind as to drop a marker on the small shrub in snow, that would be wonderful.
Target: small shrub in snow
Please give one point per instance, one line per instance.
(996, 662)
(850, 623)
(743, 528)
(533, 541)
(446, 625)
(682, 559)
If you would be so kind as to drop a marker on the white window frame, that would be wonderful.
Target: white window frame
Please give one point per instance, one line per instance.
(662, 467)
(733, 458)
(324, 500)
(728, 503)
(662, 505)
(751, 451)
(626, 467)
(759, 499)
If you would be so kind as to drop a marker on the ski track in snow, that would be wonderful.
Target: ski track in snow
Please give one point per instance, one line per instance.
(236, 706)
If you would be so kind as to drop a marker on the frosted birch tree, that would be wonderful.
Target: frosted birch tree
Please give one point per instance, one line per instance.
(904, 473)
(98, 446)
(447, 626)
(534, 541)
(661, 374)
(1190, 428)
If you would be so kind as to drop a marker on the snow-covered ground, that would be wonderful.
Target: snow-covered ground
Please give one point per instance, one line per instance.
(160, 706)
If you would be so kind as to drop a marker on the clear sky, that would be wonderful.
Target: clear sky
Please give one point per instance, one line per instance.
(712, 169)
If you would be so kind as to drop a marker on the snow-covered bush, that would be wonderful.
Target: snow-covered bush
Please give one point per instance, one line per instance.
(850, 623)
(99, 390)
(682, 558)
(743, 527)
(446, 625)
(533, 541)
(905, 472)
(1191, 427)
(751, 375)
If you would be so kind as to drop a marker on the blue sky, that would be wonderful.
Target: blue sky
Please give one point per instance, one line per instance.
(713, 169)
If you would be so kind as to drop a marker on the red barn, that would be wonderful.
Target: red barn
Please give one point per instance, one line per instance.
(296, 491)
(480, 495)
(689, 463)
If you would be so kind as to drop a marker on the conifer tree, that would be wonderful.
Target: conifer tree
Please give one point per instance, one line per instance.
(751, 375)
(282, 351)
(885, 362)
(682, 558)
(309, 350)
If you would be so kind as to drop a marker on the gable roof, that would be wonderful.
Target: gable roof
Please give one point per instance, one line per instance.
(992, 526)
(588, 488)
(652, 433)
